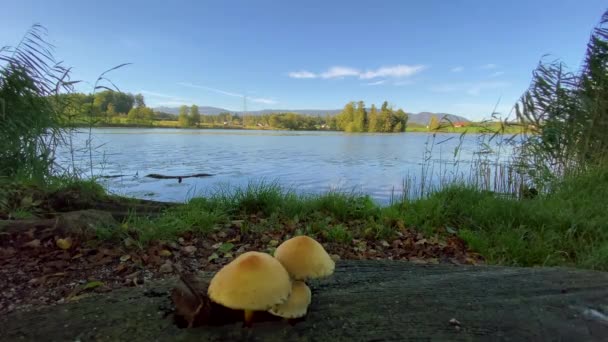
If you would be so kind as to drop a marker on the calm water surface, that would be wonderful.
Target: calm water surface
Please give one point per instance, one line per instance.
(311, 162)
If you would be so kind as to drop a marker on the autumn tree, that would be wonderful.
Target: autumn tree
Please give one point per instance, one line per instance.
(400, 120)
(386, 118)
(101, 101)
(111, 112)
(372, 125)
(346, 117)
(360, 118)
(433, 123)
(195, 116)
(183, 116)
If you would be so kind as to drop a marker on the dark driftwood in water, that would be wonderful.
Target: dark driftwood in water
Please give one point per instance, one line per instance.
(363, 301)
(112, 176)
(196, 175)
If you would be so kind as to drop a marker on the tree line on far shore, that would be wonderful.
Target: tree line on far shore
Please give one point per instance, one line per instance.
(356, 118)
(116, 108)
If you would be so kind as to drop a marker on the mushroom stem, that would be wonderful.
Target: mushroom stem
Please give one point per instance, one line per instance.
(248, 317)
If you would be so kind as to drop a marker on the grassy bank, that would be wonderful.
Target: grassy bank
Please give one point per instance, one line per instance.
(567, 227)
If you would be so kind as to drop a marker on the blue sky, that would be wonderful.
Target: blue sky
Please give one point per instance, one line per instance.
(459, 56)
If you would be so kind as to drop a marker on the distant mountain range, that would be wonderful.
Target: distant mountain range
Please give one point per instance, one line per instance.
(422, 118)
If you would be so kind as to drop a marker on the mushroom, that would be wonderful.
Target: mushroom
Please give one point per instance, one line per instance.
(297, 304)
(304, 258)
(253, 281)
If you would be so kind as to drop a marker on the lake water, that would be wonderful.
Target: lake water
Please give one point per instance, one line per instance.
(311, 162)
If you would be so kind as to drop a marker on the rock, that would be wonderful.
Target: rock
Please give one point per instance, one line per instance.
(85, 222)
(167, 267)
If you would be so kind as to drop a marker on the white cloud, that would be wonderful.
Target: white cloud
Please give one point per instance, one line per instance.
(488, 66)
(339, 72)
(497, 74)
(393, 71)
(262, 100)
(302, 74)
(471, 88)
(159, 99)
(375, 83)
(154, 94)
(457, 69)
(228, 93)
(219, 91)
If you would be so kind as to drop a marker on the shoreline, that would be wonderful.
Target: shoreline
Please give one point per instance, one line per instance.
(460, 130)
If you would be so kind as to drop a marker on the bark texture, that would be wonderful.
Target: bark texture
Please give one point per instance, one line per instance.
(363, 301)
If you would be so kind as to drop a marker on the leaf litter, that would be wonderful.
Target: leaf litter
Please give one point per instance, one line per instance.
(43, 268)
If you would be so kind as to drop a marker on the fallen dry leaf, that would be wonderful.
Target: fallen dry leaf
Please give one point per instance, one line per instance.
(120, 268)
(167, 267)
(32, 244)
(92, 285)
(189, 250)
(64, 243)
(77, 293)
(420, 242)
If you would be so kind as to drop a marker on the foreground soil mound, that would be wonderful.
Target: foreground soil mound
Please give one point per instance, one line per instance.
(363, 301)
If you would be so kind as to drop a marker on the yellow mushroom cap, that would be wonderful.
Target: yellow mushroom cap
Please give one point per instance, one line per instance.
(297, 304)
(252, 281)
(304, 258)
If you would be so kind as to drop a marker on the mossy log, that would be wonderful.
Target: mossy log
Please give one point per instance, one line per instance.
(363, 301)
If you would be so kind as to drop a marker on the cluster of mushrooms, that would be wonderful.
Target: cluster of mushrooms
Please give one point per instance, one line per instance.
(256, 281)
